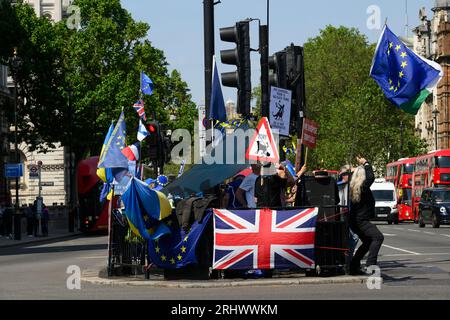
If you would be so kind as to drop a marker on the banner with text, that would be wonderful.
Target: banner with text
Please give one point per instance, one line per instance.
(309, 133)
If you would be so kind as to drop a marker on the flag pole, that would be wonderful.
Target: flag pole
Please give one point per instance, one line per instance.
(110, 231)
(140, 86)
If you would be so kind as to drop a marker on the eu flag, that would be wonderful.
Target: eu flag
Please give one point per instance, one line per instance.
(405, 78)
(177, 249)
(112, 156)
(146, 84)
(217, 107)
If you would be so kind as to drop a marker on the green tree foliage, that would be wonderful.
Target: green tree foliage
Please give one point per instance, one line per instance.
(98, 66)
(38, 72)
(353, 115)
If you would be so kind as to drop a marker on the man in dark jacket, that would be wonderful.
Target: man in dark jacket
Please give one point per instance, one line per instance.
(362, 209)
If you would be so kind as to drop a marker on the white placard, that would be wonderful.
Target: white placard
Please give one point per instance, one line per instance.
(280, 110)
(202, 130)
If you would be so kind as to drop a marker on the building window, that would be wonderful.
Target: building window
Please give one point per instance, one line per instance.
(47, 15)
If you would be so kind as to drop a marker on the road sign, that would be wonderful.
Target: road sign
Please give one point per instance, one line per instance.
(309, 134)
(34, 171)
(202, 123)
(13, 170)
(262, 146)
(280, 110)
(47, 184)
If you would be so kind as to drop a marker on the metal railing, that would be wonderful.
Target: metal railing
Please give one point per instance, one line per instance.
(129, 252)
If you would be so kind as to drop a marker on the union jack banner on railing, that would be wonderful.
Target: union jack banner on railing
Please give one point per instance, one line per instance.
(264, 239)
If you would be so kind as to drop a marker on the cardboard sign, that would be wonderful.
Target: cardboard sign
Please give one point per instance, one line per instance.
(309, 133)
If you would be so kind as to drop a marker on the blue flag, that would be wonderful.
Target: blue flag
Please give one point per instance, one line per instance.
(177, 249)
(405, 78)
(144, 207)
(112, 156)
(180, 172)
(146, 84)
(217, 107)
(142, 131)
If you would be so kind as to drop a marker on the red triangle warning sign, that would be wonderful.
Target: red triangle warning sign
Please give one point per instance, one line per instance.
(262, 146)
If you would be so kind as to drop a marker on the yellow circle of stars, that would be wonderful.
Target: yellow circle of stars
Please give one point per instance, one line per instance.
(172, 259)
(392, 85)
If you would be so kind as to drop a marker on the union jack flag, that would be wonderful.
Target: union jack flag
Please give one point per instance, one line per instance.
(139, 107)
(264, 239)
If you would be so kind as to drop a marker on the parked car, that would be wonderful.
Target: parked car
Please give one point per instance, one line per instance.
(434, 207)
(385, 201)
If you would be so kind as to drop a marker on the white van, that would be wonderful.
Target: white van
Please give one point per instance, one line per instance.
(385, 201)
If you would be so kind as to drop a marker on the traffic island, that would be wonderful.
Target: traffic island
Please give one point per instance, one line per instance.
(100, 278)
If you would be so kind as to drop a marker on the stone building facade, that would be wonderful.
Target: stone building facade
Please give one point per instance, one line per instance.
(5, 99)
(54, 170)
(432, 41)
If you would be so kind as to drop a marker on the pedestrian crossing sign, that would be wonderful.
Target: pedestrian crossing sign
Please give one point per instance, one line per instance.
(262, 145)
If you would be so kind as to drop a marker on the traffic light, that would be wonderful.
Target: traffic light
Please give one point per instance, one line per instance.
(295, 75)
(159, 144)
(154, 141)
(240, 57)
(277, 70)
(286, 71)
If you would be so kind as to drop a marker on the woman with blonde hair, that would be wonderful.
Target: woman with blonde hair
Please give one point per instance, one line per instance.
(362, 209)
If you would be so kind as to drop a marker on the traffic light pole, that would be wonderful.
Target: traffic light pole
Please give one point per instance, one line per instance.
(208, 23)
(265, 87)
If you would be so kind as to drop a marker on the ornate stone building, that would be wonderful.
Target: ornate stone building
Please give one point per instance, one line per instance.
(5, 99)
(54, 170)
(230, 107)
(432, 41)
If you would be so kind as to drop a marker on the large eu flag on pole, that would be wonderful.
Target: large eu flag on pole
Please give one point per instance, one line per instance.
(405, 77)
(112, 156)
(217, 107)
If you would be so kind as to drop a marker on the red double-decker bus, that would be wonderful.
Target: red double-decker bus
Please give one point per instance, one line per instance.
(430, 170)
(400, 173)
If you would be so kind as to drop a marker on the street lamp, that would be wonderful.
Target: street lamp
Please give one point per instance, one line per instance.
(435, 112)
(15, 63)
(401, 138)
(71, 215)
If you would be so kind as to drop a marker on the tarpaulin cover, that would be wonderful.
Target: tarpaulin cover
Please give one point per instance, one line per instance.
(202, 177)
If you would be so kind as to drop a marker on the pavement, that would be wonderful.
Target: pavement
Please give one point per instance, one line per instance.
(54, 234)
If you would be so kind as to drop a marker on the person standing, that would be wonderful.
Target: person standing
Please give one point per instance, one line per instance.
(362, 209)
(44, 221)
(343, 184)
(269, 194)
(36, 219)
(8, 221)
(29, 215)
(245, 194)
(2, 226)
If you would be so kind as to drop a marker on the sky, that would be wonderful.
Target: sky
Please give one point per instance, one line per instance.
(176, 27)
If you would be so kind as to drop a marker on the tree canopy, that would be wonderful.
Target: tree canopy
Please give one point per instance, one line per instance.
(97, 66)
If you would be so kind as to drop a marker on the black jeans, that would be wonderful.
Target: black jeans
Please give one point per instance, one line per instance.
(44, 227)
(372, 240)
(30, 226)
